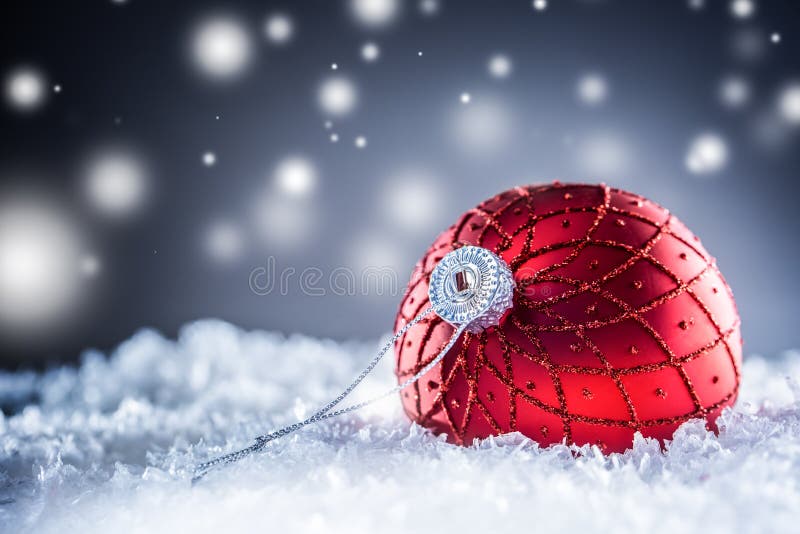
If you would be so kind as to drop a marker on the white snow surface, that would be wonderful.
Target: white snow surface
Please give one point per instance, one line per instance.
(109, 446)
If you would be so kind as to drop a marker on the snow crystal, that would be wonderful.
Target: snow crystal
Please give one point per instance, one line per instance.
(109, 445)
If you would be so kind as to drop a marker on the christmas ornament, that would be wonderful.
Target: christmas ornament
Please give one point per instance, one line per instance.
(621, 322)
(569, 313)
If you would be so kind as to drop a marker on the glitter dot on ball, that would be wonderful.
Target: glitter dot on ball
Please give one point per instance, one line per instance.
(432, 385)
(633, 350)
(455, 403)
(684, 324)
(587, 393)
(637, 284)
(619, 222)
(594, 264)
(565, 223)
(490, 396)
(714, 379)
(575, 347)
(661, 393)
(544, 430)
(530, 385)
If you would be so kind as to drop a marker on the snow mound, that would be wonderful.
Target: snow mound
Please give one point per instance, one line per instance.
(109, 446)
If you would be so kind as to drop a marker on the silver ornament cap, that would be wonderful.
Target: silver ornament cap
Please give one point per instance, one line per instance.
(471, 286)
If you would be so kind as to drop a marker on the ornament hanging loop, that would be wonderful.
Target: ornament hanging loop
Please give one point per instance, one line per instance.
(470, 288)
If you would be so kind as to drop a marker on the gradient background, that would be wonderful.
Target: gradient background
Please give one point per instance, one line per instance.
(128, 81)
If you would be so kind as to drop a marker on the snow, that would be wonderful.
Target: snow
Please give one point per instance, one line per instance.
(109, 445)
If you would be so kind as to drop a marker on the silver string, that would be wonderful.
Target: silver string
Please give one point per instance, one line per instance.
(325, 412)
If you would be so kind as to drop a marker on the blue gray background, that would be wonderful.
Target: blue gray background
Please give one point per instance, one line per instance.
(127, 78)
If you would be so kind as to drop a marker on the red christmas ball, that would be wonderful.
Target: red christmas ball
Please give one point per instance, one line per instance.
(621, 323)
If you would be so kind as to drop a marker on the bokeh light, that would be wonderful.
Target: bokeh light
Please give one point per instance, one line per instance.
(770, 130)
(603, 155)
(429, 8)
(742, 9)
(223, 241)
(375, 13)
(296, 176)
(40, 267)
(337, 96)
(370, 52)
(539, 5)
(411, 200)
(376, 250)
(734, 92)
(789, 104)
(221, 47)
(116, 182)
(696, 4)
(285, 223)
(483, 127)
(707, 154)
(360, 142)
(592, 89)
(90, 266)
(209, 159)
(500, 66)
(25, 89)
(279, 28)
(749, 44)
